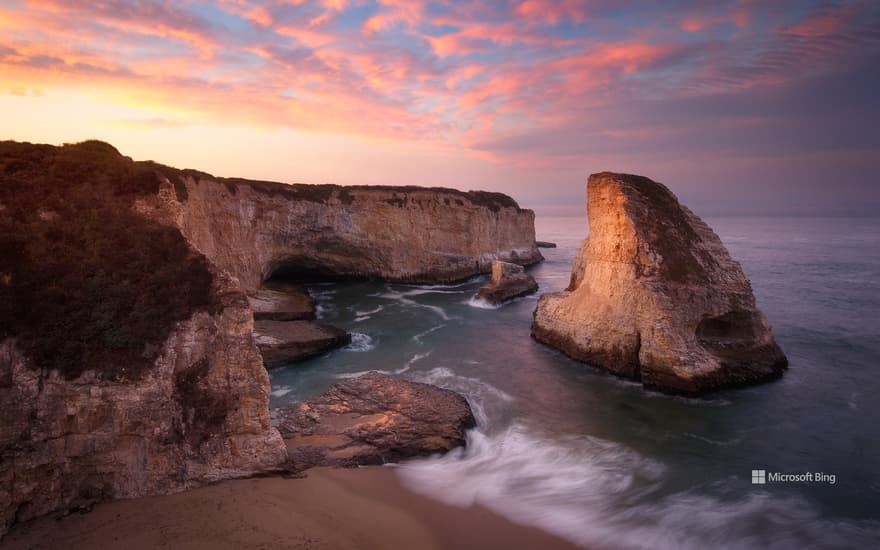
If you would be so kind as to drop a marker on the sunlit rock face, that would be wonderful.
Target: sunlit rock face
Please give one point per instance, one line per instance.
(199, 415)
(254, 230)
(655, 296)
(373, 419)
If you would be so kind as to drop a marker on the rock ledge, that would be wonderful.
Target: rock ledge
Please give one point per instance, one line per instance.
(373, 419)
(283, 342)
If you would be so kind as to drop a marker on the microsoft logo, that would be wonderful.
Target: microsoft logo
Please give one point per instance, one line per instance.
(759, 477)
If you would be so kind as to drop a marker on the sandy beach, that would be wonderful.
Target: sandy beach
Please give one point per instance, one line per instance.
(365, 508)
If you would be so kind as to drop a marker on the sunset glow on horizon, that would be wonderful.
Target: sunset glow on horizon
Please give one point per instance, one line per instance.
(736, 105)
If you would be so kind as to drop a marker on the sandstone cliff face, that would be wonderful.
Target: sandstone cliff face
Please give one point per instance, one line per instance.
(254, 229)
(199, 412)
(200, 415)
(655, 296)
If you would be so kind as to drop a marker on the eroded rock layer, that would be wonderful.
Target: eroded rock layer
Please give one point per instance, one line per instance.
(284, 342)
(373, 419)
(199, 415)
(254, 230)
(655, 296)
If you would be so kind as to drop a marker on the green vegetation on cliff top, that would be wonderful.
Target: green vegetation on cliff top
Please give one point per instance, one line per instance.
(85, 283)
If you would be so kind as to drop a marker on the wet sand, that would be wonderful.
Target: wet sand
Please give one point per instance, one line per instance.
(366, 508)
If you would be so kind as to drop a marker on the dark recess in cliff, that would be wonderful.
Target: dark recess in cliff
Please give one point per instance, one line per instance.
(85, 283)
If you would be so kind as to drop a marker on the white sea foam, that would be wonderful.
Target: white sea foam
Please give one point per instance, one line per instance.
(281, 391)
(323, 303)
(588, 490)
(402, 298)
(421, 291)
(360, 342)
(319, 311)
(602, 494)
(401, 370)
(415, 358)
(476, 302)
(418, 337)
(373, 311)
(445, 287)
(362, 316)
(475, 390)
(482, 304)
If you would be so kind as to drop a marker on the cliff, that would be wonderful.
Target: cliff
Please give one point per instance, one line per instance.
(128, 364)
(254, 230)
(655, 296)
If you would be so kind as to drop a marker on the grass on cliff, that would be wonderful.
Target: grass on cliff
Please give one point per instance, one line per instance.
(85, 284)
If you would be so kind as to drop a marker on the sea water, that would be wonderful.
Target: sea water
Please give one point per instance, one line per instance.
(604, 463)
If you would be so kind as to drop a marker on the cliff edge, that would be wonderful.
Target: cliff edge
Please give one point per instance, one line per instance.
(259, 230)
(656, 297)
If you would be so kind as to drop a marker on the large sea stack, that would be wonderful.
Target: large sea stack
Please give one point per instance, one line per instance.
(656, 297)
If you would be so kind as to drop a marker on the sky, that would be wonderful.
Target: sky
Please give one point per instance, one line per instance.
(739, 106)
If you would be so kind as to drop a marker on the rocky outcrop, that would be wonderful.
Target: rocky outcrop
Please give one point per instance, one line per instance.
(282, 305)
(199, 415)
(545, 244)
(655, 296)
(284, 342)
(508, 281)
(253, 230)
(373, 419)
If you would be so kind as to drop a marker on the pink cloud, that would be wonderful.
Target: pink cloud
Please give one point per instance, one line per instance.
(552, 11)
(495, 74)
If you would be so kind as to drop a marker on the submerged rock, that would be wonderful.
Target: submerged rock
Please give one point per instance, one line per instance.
(373, 419)
(508, 281)
(283, 342)
(655, 296)
(545, 244)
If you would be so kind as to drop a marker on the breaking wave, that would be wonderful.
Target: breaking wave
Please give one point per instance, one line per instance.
(360, 342)
(588, 490)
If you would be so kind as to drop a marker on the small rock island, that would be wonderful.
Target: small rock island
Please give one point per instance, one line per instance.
(373, 419)
(655, 296)
(508, 281)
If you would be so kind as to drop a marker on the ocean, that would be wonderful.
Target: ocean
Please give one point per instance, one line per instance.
(601, 461)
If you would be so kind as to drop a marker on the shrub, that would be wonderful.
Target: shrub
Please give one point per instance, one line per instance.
(85, 283)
